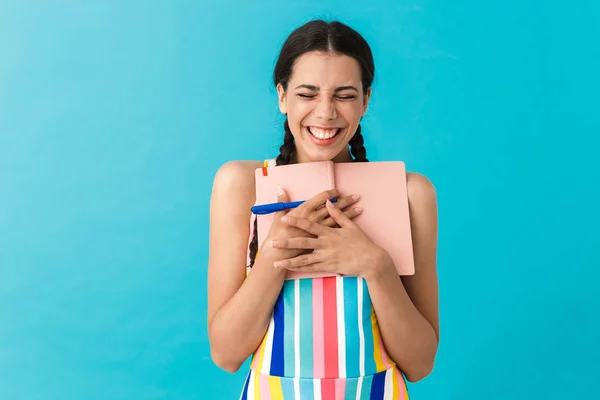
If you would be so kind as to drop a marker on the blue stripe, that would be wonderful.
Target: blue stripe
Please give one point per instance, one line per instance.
(306, 329)
(277, 353)
(245, 392)
(378, 386)
(307, 387)
(287, 386)
(351, 327)
(288, 312)
(367, 309)
(365, 391)
(351, 388)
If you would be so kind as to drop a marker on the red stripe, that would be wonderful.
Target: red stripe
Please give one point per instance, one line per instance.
(330, 327)
(264, 171)
(328, 389)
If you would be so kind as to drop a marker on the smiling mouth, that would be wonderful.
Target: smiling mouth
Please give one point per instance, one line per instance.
(323, 133)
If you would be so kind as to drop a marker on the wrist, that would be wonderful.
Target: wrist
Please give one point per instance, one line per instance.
(381, 265)
(267, 256)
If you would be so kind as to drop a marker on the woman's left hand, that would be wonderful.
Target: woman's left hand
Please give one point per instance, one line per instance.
(346, 250)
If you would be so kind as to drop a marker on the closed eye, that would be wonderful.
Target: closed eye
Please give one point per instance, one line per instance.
(307, 96)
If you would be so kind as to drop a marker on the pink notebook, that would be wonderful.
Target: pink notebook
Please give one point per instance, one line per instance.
(381, 185)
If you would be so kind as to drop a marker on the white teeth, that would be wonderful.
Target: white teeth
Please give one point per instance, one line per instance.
(323, 133)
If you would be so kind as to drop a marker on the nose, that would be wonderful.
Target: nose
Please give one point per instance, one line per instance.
(325, 109)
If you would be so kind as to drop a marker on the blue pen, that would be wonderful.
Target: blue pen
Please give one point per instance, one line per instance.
(274, 207)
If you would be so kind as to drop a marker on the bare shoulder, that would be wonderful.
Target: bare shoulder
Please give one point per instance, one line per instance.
(423, 209)
(422, 204)
(236, 173)
(420, 189)
(236, 176)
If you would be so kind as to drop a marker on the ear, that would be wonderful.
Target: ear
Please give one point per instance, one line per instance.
(366, 101)
(282, 100)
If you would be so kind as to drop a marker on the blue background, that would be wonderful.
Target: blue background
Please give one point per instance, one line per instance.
(114, 118)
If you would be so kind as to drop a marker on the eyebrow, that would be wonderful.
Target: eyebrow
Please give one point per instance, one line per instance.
(338, 89)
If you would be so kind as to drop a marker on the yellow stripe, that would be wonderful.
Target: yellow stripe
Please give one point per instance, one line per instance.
(376, 343)
(266, 163)
(275, 388)
(256, 385)
(395, 384)
(261, 354)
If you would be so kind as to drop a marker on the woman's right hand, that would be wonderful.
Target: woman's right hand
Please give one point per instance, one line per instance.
(312, 210)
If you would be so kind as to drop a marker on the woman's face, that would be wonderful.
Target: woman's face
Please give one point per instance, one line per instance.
(324, 103)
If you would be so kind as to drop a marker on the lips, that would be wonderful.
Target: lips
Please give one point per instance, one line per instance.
(322, 132)
(323, 136)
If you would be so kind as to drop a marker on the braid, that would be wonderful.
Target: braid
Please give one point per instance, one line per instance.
(288, 146)
(357, 146)
(285, 155)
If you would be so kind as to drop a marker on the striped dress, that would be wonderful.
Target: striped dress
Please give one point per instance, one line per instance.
(323, 343)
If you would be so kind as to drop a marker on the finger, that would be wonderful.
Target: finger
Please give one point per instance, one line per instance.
(329, 222)
(346, 201)
(351, 213)
(320, 199)
(342, 203)
(338, 216)
(308, 226)
(282, 197)
(303, 261)
(299, 243)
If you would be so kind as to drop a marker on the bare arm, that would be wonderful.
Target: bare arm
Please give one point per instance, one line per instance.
(239, 309)
(407, 309)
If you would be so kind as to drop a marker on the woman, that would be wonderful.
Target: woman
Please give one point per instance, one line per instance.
(389, 332)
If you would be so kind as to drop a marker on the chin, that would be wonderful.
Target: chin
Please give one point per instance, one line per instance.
(311, 155)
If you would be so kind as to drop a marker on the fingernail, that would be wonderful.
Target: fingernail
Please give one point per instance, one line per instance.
(329, 203)
(358, 209)
(355, 196)
(278, 264)
(275, 243)
(285, 219)
(280, 191)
